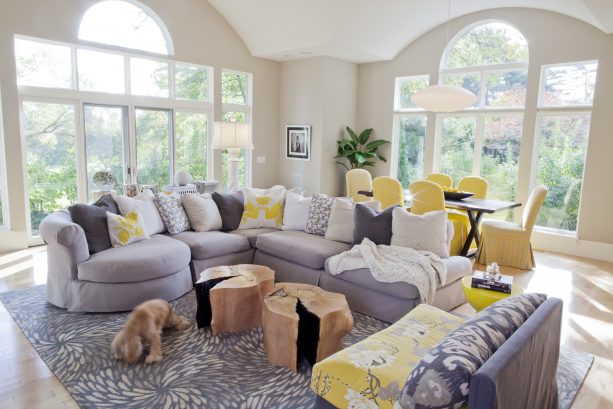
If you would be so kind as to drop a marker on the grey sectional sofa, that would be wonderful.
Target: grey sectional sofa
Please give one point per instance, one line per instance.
(167, 266)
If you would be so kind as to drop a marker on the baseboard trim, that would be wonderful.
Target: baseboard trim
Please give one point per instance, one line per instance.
(559, 243)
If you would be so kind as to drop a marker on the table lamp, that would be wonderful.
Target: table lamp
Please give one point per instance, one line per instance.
(232, 136)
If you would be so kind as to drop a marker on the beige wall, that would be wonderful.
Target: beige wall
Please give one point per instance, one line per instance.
(552, 38)
(321, 92)
(200, 35)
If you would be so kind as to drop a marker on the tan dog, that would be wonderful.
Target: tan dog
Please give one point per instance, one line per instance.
(146, 323)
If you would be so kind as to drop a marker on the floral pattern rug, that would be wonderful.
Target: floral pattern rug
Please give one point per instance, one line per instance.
(197, 370)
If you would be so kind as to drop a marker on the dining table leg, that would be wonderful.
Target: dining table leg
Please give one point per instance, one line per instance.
(474, 217)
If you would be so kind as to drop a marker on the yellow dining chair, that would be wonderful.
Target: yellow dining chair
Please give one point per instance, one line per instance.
(357, 180)
(474, 184)
(427, 196)
(387, 191)
(508, 244)
(442, 179)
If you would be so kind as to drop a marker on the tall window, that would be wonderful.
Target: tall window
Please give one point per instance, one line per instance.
(563, 125)
(490, 60)
(236, 106)
(4, 221)
(409, 138)
(141, 118)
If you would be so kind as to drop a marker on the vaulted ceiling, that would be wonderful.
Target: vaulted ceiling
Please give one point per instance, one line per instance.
(368, 30)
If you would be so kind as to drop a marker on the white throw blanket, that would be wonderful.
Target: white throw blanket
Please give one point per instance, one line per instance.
(390, 264)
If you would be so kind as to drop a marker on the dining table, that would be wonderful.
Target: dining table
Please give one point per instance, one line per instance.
(475, 209)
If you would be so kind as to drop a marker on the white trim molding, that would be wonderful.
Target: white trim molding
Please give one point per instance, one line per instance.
(571, 245)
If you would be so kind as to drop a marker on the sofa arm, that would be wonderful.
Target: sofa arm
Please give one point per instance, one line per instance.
(67, 244)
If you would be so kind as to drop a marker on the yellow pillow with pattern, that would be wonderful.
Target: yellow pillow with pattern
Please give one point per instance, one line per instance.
(263, 208)
(127, 229)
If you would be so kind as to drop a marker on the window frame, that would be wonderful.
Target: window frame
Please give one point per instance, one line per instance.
(557, 110)
(80, 98)
(247, 109)
(170, 48)
(6, 221)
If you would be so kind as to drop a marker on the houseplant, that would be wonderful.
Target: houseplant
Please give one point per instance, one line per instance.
(358, 151)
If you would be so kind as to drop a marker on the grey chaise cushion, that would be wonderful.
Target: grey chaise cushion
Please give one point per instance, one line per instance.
(156, 257)
(299, 247)
(252, 234)
(457, 267)
(209, 244)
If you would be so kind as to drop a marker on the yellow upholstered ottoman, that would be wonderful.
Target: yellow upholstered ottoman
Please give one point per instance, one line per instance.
(372, 372)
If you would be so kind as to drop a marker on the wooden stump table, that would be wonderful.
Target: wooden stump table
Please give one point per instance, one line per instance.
(230, 298)
(301, 320)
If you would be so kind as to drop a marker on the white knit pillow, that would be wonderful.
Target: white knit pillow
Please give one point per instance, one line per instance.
(296, 211)
(143, 203)
(427, 232)
(341, 224)
(202, 212)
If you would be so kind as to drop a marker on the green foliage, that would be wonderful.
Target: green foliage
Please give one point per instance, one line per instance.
(191, 144)
(358, 151)
(191, 82)
(411, 149)
(152, 147)
(234, 88)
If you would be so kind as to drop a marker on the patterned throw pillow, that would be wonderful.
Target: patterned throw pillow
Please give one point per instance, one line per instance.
(263, 208)
(427, 232)
(172, 212)
(126, 230)
(441, 378)
(319, 214)
(341, 224)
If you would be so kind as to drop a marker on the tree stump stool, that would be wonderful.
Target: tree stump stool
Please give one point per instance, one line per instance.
(230, 298)
(301, 320)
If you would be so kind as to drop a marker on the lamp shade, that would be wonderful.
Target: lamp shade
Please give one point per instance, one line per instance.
(231, 135)
(443, 98)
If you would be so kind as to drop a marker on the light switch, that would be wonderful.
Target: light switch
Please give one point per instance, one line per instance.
(260, 159)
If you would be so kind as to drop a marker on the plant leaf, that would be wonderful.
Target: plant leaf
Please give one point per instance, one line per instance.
(376, 144)
(365, 135)
(343, 165)
(381, 158)
(353, 135)
(359, 158)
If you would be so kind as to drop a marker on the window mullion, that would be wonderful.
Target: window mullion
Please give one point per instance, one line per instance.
(478, 149)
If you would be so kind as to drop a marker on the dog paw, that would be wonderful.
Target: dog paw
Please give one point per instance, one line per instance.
(151, 359)
(183, 324)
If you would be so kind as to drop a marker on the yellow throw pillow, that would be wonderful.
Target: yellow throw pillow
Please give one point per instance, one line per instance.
(126, 230)
(263, 208)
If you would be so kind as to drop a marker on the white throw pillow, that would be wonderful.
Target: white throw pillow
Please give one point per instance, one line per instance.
(126, 230)
(143, 203)
(263, 208)
(202, 212)
(427, 232)
(341, 224)
(296, 211)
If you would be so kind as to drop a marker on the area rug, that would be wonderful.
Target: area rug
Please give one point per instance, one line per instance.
(198, 370)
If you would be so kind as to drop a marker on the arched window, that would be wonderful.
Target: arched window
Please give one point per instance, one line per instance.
(126, 24)
(491, 60)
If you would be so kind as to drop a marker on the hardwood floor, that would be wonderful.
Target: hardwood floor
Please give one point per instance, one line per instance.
(586, 286)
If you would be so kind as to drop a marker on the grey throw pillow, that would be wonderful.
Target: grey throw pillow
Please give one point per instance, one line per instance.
(172, 212)
(441, 378)
(376, 226)
(92, 218)
(319, 214)
(231, 208)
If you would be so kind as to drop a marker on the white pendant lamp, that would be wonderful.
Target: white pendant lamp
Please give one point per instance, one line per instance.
(444, 98)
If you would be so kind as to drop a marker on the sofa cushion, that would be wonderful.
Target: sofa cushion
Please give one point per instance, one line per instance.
(457, 267)
(231, 208)
(209, 244)
(434, 383)
(252, 234)
(157, 257)
(385, 358)
(302, 248)
(92, 218)
(377, 226)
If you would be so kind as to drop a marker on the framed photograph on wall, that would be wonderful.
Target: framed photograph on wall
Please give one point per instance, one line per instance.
(298, 142)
